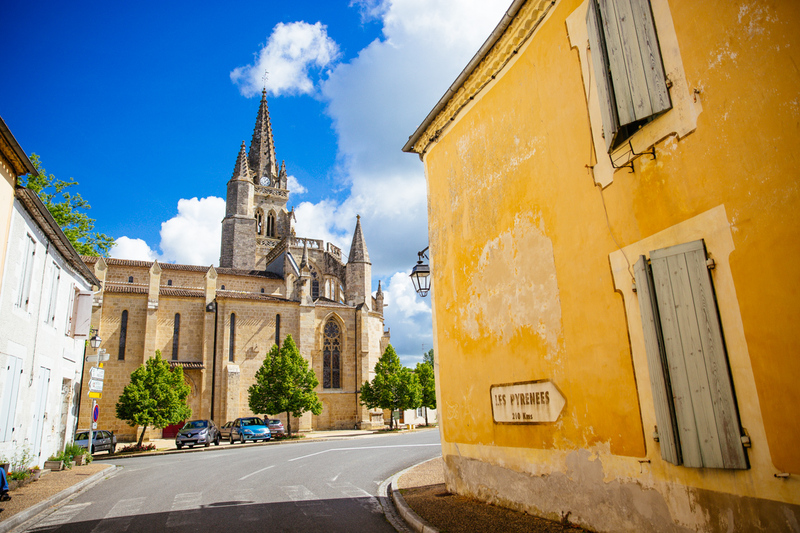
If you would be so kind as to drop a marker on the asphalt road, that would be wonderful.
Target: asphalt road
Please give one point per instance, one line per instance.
(308, 486)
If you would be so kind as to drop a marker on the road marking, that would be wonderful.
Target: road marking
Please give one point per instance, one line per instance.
(362, 448)
(120, 516)
(247, 509)
(62, 516)
(362, 497)
(185, 509)
(254, 473)
(307, 501)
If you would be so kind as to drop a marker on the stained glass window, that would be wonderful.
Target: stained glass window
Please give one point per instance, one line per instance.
(331, 351)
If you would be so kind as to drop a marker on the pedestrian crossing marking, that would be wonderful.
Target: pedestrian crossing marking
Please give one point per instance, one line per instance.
(120, 516)
(185, 509)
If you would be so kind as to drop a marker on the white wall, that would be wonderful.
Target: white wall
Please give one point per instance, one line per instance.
(41, 416)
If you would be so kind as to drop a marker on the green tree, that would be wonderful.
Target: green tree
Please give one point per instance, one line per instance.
(156, 396)
(427, 357)
(67, 210)
(427, 383)
(284, 384)
(394, 386)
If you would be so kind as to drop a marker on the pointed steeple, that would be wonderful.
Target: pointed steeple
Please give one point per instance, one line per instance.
(262, 158)
(283, 178)
(304, 259)
(380, 292)
(358, 250)
(242, 170)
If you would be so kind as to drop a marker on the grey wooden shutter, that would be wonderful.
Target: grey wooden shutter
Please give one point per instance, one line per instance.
(605, 91)
(657, 364)
(705, 406)
(637, 70)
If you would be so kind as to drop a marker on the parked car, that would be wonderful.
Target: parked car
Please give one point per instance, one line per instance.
(276, 427)
(225, 431)
(102, 440)
(249, 428)
(197, 432)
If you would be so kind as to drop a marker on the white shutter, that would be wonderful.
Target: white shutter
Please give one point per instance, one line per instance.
(605, 91)
(83, 315)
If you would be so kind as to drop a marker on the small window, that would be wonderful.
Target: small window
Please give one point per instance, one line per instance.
(262, 290)
(232, 339)
(169, 282)
(628, 69)
(223, 287)
(130, 279)
(693, 394)
(278, 330)
(271, 224)
(176, 332)
(123, 334)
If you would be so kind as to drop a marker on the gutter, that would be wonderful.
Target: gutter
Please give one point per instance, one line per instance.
(471, 66)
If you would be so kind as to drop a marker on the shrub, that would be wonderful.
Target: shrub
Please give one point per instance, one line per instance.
(19, 475)
(138, 448)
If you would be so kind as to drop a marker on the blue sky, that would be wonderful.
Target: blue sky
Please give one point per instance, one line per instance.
(146, 104)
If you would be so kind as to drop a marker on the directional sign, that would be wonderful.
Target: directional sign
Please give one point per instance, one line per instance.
(531, 402)
(95, 413)
(102, 355)
(95, 385)
(95, 395)
(97, 373)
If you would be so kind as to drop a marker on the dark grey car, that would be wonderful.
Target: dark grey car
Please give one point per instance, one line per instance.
(197, 432)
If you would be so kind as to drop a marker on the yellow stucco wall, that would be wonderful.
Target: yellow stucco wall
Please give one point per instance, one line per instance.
(522, 251)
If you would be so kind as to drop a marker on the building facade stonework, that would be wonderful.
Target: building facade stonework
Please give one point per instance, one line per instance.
(218, 324)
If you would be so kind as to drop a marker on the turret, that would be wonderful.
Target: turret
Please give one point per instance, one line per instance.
(238, 226)
(359, 270)
(379, 299)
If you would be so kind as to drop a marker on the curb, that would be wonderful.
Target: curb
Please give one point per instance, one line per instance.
(389, 495)
(32, 511)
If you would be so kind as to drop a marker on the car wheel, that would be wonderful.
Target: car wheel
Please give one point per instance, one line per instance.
(179, 446)
(231, 438)
(208, 443)
(216, 441)
(242, 438)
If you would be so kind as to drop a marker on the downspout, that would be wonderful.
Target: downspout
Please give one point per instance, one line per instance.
(214, 360)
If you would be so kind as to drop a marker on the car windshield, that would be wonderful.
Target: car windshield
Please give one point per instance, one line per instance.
(82, 436)
(195, 424)
(274, 422)
(252, 422)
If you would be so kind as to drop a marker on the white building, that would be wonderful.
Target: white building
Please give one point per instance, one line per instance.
(45, 310)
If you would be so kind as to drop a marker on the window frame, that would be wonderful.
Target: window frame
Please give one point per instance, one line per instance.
(332, 373)
(123, 335)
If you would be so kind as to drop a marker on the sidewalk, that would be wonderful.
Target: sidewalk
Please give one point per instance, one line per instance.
(420, 496)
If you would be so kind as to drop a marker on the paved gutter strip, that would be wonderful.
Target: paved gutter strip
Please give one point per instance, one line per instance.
(394, 503)
(32, 512)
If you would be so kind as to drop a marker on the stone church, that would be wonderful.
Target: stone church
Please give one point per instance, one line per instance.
(218, 324)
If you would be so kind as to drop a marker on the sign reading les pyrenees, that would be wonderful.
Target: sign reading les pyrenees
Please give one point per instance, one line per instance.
(531, 402)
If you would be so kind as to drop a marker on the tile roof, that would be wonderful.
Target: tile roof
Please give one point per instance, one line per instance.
(187, 364)
(186, 268)
(124, 288)
(187, 293)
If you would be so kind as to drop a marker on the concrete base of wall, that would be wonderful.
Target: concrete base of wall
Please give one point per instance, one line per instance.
(587, 498)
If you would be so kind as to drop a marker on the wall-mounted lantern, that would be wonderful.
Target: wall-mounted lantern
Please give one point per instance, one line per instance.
(421, 275)
(95, 341)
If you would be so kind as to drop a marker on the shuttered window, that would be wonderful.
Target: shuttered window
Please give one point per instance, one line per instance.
(628, 69)
(695, 404)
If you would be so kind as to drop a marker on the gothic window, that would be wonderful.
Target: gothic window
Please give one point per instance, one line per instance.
(123, 334)
(271, 224)
(331, 351)
(176, 331)
(259, 222)
(314, 285)
(169, 282)
(278, 330)
(231, 341)
(130, 279)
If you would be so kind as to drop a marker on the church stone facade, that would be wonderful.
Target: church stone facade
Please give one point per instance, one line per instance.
(218, 324)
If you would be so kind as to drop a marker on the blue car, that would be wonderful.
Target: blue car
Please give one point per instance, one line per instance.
(249, 428)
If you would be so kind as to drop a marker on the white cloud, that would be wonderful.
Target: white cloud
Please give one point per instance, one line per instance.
(295, 187)
(409, 318)
(192, 237)
(136, 249)
(291, 52)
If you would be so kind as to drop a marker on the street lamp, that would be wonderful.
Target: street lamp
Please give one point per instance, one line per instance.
(95, 341)
(421, 275)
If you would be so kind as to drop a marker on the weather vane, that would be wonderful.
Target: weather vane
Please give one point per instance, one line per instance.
(265, 77)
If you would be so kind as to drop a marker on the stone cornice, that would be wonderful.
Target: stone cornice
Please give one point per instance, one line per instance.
(507, 45)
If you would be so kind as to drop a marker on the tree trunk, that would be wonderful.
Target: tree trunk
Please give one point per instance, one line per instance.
(141, 437)
(426, 417)
(288, 424)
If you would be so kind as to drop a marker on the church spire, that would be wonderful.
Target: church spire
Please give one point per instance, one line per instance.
(358, 250)
(262, 160)
(242, 170)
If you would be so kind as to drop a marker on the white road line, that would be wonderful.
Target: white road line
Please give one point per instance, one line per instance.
(256, 472)
(62, 516)
(362, 448)
(120, 516)
(307, 501)
(185, 509)
(362, 497)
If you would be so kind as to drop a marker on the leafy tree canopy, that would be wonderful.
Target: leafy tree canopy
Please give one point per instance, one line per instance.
(156, 396)
(67, 210)
(427, 357)
(427, 382)
(394, 386)
(284, 384)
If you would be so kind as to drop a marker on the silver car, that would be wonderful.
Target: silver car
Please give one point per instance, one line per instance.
(102, 440)
(197, 432)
